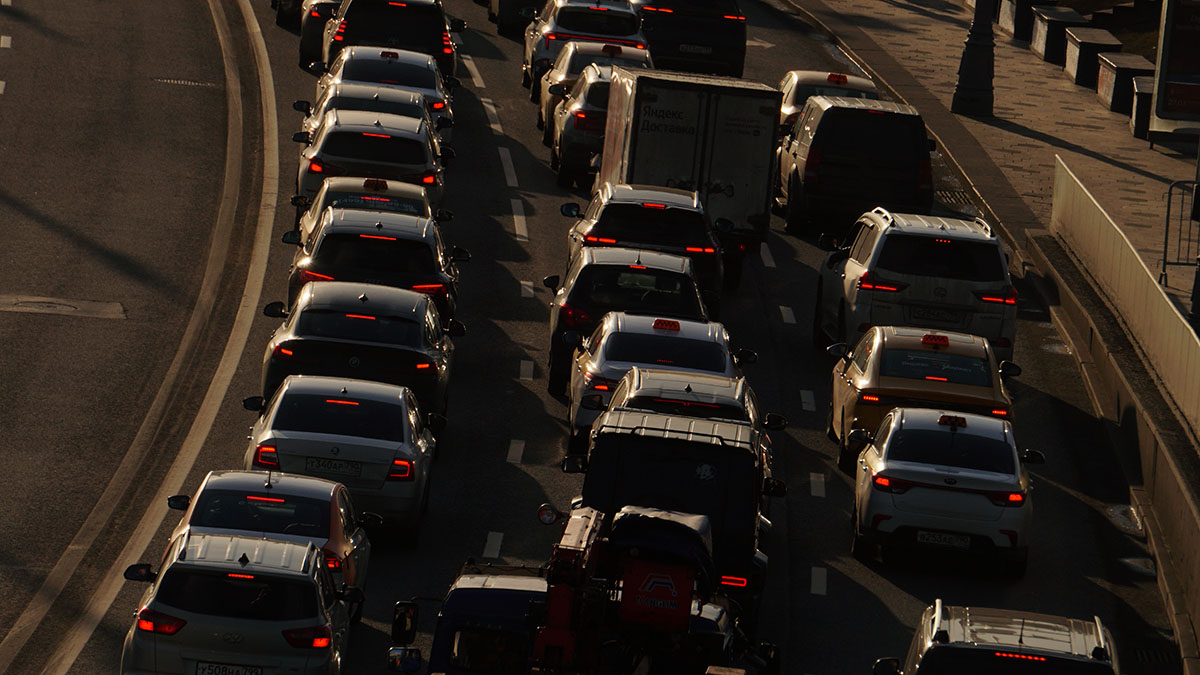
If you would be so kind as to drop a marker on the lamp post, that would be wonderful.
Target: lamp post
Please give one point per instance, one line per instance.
(973, 92)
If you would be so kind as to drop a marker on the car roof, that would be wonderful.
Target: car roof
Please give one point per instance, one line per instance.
(361, 221)
(620, 5)
(1026, 631)
(687, 385)
(728, 433)
(359, 297)
(906, 337)
(618, 255)
(594, 48)
(644, 324)
(388, 93)
(343, 386)
(626, 193)
(929, 419)
(376, 53)
(282, 483)
(510, 582)
(360, 185)
(826, 102)
(370, 121)
(826, 77)
(245, 554)
(603, 73)
(934, 226)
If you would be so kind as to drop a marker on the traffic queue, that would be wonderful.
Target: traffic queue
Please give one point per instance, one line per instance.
(662, 565)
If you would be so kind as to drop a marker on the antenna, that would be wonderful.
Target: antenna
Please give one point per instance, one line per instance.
(244, 560)
(363, 298)
(1021, 635)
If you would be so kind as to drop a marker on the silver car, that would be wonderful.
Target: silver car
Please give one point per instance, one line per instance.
(374, 98)
(364, 194)
(394, 67)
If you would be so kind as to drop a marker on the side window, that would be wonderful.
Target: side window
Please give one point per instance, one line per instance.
(751, 407)
(349, 523)
(325, 586)
(433, 332)
(862, 351)
(883, 434)
(865, 242)
(594, 341)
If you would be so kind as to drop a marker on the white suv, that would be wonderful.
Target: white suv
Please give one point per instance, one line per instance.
(900, 269)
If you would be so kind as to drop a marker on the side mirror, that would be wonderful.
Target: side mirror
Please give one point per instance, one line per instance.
(352, 595)
(302, 106)
(435, 422)
(447, 154)
(301, 137)
(570, 210)
(404, 659)
(456, 328)
(140, 572)
(457, 25)
(551, 282)
(1033, 457)
(859, 437)
(254, 404)
(773, 487)
(404, 622)
(370, 519)
(723, 225)
(573, 464)
(291, 237)
(1009, 369)
(548, 515)
(443, 215)
(592, 402)
(775, 422)
(299, 201)
(275, 310)
(887, 666)
(528, 13)
(572, 339)
(839, 350)
(556, 90)
(827, 242)
(443, 123)
(459, 254)
(178, 502)
(744, 355)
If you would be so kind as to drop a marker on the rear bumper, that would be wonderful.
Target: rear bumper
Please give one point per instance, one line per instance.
(899, 528)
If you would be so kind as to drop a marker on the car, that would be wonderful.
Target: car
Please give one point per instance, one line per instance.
(899, 366)
(561, 21)
(578, 126)
(313, 15)
(652, 218)
(375, 145)
(898, 269)
(705, 36)
(372, 437)
(234, 603)
(946, 480)
(843, 156)
(604, 279)
(418, 72)
(286, 507)
(798, 85)
(373, 98)
(390, 249)
(621, 341)
(364, 194)
(985, 640)
(570, 62)
(363, 331)
(415, 25)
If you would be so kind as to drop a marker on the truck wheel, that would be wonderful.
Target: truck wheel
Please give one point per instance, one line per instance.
(794, 219)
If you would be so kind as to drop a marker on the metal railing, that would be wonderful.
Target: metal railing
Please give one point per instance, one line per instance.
(1179, 220)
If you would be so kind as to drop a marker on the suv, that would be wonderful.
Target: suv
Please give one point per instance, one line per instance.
(561, 21)
(376, 66)
(952, 640)
(705, 36)
(901, 269)
(415, 25)
(577, 126)
(227, 604)
(571, 61)
(843, 156)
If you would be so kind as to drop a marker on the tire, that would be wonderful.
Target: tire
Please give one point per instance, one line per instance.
(535, 91)
(846, 458)
(547, 134)
(860, 548)
(1015, 565)
(829, 432)
(525, 81)
(539, 122)
(557, 377)
(577, 443)
(554, 163)
(356, 612)
(565, 178)
(281, 16)
(794, 219)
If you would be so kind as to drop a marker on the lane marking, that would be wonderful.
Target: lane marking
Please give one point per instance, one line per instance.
(1, 86)
(235, 346)
(491, 548)
(817, 484)
(807, 402)
(765, 252)
(516, 449)
(35, 304)
(526, 370)
(476, 78)
(526, 289)
(819, 580)
(510, 174)
(5, 41)
(489, 108)
(786, 313)
(520, 229)
(6, 3)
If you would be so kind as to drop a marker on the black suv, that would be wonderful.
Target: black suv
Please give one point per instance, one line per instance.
(414, 25)
(703, 36)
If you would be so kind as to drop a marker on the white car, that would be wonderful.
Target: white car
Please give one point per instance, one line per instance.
(622, 341)
(369, 436)
(364, 64)
(561, 21)
(948, 480)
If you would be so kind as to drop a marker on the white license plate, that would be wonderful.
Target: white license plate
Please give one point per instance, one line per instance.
(943, 539)
(226, 669)
(936, 314)
(341, 467)
(695, 49)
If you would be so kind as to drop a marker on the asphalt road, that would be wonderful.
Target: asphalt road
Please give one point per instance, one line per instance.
(138, 221)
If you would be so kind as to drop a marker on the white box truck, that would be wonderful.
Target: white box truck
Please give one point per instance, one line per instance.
(714, 135)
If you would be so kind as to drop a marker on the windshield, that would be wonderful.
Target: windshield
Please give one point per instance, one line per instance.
(414, 110)
(375, 148)
(371, 253)
(923, 364)
(630, 223)
(392, 204)
(628, 288)
(992, 661)
(580, 61)
(496, 652)
(389, 72)
(260, 597)
(943, 258)
(802, 91)
(674, 406)
(665, 350)
(340, 416)
(890, 139)
(396, 24)
(597, 22)
(236, 510)
(323, 323)
(959, 449)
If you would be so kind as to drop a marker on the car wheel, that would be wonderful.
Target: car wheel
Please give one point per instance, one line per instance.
(556, 380)
(818, 332)
(535, 91)
(565, 177)
(577, 443)
(553, 157)
(859, 547)
(1015, 564)
(794, 220)
(281, 17)
(829, 432)
(847, 458)
(525, 81)
(547, 134)
(540, 122)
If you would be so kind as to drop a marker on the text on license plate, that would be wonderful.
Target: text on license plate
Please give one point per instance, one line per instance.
(935, 314)
(695, 49)
(339, 466)
(943, 539)
(225, 669)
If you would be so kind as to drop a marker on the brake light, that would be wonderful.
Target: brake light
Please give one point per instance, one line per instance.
(424, 365)
(700, 249)
(837, 78)
(664, 10)
(588, 122)
(588, 38)
(812, 164)
(317, 637)
(597, 383)
(265, 457)
(332, 561)
(438, 290)
(1007, 498)
(1023, 657)
(272, 500)
(317, 166)
(359, 316)
(307, 276)
(734, 17)
(652, 205)
(896, 486)
(739, 582)
(599, 240)
(157, 622)
(1006, 296)
(637, 267)
(935, 378)
(337, 401)
(283, 352)
(549, 37)
(868, 398)
(314, 13)
(573, 316)
(447, 44)
(598, 9)
(438, 105)
(398, 4)
(1000, 412)
(402, 469)
(666, 324)
(234, 575)
(377, 236)
(338, 34)
(868, 282)
(429, 178)
(935, 340)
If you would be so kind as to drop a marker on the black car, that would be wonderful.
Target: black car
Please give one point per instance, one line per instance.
(414, 25)
(601, 280)
(390, 249)
(313, 15)
(366, 332)
(702, 36)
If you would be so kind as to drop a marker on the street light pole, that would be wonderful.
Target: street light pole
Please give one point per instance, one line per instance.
(973, 92)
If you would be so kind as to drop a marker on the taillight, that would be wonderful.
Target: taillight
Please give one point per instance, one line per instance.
(1000, 412)
(599, 240)
(549, 37)
(585, 121)
(597, 383)
(447, 43)
(700, 249)
(338, 35)
(438, 290)
(573, 317)
(427, 366)
(868, 398)
(1007, 498)
(734, 17)
(1006, 296)
(401, 469)
(438, 105)
(870, 282)
(332, 560)
(317, 637)
(314, 13)
(307, 276)
(157, 622)
(812, 165)
(265, 457)
(737, 582)
(895, 486)
(790, 120)
(317, 166)
(925, 176)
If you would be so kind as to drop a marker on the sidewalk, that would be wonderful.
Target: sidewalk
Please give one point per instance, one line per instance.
(912, 47)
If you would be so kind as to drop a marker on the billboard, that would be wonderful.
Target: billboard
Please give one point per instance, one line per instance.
(1177, 87)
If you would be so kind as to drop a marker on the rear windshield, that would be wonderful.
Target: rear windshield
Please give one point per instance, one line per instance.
(802, 91)
(915, 364)
(496, 652)
(649, 291)
(367, 253)
(395, 24)
(993, 661)
(262, 598)
(942, 258)
(580, 61)
(673, 406)
(341, 416)
(392, 204)
(323, 323)
(951, 448)
(415, 110)
(890, 139)
(597, 95)
(237, 510)
(666, 351)
(637, 223)
(384, 72)
(706, 6)
(597, 22)
(390, 149)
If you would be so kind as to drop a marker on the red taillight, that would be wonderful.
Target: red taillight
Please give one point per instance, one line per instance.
(424, 365)
(1007, 498)
(438, 105)
(812, 165)
(549, 37)
(429, 178)
(700, 249)
(307, 276)
(665, 324)
(283, 352)
(869, 282)
(1000, 412)
(265, 457)
(338, 34)
(935, 378)
(271, 500)
(332, 560)
(1023, 657)
(868, 398)
(895, 486)
(1007, 296)
(317, 637)
(584, 121)
(573, 317)
(599, 240)
(402, 469)
(431, 289)
(157, 622)
(447, 43)
(597, 383)
(734, 17)
(664, 10)
(317, 166)
(653, 205)
(837, 78)
(935, 340)
(739, 582)
(315, 14)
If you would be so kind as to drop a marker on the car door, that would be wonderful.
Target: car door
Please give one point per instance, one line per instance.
(352, 530)
(852, 270)
(335, 610)
(584, 356)
(852, 376)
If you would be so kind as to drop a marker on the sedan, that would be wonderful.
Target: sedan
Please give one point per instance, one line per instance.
(364, 194)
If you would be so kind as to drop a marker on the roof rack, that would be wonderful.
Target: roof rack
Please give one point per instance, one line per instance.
(884, 213)
(641, 429)
(939, 634)
(983, 224)
(1100, 651)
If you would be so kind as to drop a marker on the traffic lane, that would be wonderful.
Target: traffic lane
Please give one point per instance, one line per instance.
(104, 200)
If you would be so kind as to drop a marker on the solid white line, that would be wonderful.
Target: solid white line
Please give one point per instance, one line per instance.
(526, 370)
(510, 174)
(806, 400)
(516, 449)
(1, 86)
(819, 579)
(491, 548)
(235, 347)
(526, 289)
(817, 484)
(40, 305)
(6, 3)
(765, 252)
(520, 229)
(5, 41)
(470, 64)
(786, 313)
(489, 108)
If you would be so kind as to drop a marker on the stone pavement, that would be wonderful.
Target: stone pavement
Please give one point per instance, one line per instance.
(912, 48)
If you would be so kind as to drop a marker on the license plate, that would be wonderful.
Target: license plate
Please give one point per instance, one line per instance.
(226, 669)
(341, 467)
(943, 539)
(936, 314)
(695, 49)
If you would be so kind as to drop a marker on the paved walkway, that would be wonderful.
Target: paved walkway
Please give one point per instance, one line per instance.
(914, 47)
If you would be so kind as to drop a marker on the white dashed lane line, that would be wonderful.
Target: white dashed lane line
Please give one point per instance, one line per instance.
(510, 173)
(786, 313)
(817, 484)
(516, 448)
(5, 41)
(807, 402)
(491, 548)
(526, 289)
(819, 579)
(765, 252)
(476, 78)
(520, 230)
(1, 86)
(526, 370)
(489, 108)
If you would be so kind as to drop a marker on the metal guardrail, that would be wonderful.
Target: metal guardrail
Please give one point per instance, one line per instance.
(1186, 251)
